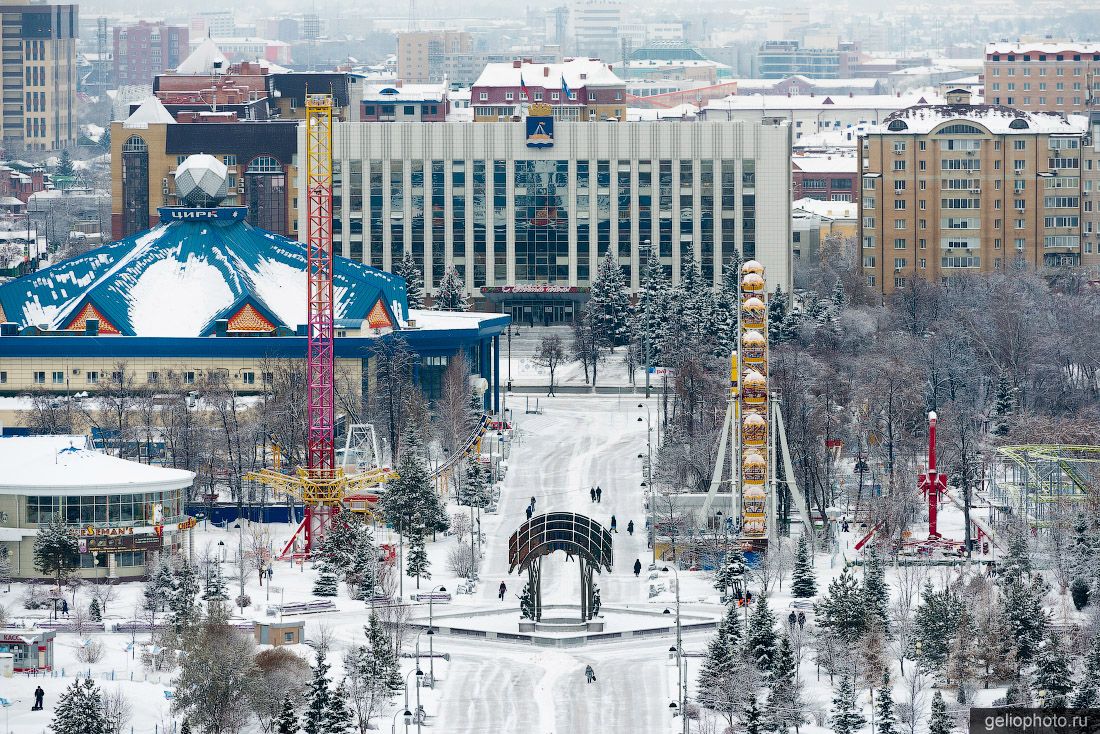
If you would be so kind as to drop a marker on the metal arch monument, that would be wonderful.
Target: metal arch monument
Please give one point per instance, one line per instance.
(577, 535)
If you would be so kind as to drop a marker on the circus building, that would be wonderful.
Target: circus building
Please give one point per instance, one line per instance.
(206, 291)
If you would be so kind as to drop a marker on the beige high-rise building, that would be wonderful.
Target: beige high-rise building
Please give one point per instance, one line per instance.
(39, 71)
(1047, 76)
(958, 188)
(420, 54)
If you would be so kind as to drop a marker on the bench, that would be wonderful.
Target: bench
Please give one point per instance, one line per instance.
(465, 587)
(435, 596)
(656, 589)
(380, 600)
(70, 626)
(308, 607)
(803, 604)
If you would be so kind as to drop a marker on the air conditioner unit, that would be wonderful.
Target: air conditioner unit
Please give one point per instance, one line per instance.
(240, 187)
(970, 154)
(164, 185)
(1019, 208)
(975, 191)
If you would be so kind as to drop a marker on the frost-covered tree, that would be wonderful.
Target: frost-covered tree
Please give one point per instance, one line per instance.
(841, 610)
(527, 602)
(411, 500)
(94, 611)
(1086, 695)
(650, 313)
(158, 590)
(938, 720)
(716, 666)
(778, 310)
(56, 551)
(215, 585)
(451, 294)
(550, 356)
(1005, 404)
(417, 565)
(761, 642)
(962, 655)
(408, 269)
(80, 710)
(326, 583)
(876, 593)
(754, 720)
(803, 582)
(887, 721)
(609, 302)
(1052, 674)
(846, 718)
(839, 298)
(182, 608)
(1016, 563)
(1022, 606)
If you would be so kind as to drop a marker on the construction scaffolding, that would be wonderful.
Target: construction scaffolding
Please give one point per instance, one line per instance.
(1030, 482)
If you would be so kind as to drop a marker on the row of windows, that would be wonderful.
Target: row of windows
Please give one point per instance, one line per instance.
(95, 377)
(123, 559)
(107, 509)
(1026, 86)
(407, 110)
(554, 96)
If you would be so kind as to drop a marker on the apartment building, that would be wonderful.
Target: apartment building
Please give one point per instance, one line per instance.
(525, 227)
(960, 188)
(39, 71)
(581, 90)
(1090, 194)
(146, 49)
(1051, 76)
(780, 59)
(421, 54)
(596, 27)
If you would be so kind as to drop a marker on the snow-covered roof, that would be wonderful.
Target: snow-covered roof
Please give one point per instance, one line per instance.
(428, 319)
(676, 112)
(67, 465)
(404, 92)
(803, 81)
(997, 119)
(765, 102)
(829, 209)
(149, 112)
(549, 76)
(201, 60)
(1043, 47)
(825, 163)
(926, 70)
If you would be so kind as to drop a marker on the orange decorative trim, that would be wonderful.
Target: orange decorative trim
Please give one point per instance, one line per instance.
(249, 319)
(79, 322)
(379, 318)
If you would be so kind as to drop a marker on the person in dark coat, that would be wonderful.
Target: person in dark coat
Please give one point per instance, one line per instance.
(801, 620)
(592, 493)
(532, 503)
(791, 619)
(530, 511)
(589, 674)
(65, 607)
(630, 527)
(614, 525)
(599, 494)
(500, 592)
(637, 566)
(39, 694)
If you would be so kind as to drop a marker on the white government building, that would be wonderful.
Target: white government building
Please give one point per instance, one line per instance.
(526, 226)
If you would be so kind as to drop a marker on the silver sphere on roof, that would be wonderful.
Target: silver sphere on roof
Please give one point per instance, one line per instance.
(201, 180)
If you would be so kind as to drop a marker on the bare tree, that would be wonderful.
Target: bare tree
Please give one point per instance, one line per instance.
(104, 592)
(282, 675)
(550, 356)
(914, 686)
(453, 406)
(117, 710)
(393, 362)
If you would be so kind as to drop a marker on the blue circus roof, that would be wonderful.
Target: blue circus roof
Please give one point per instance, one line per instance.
(178, 278)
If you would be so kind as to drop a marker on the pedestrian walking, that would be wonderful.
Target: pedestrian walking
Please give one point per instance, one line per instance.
(630, 528)
(748, 598)
(599, 494)
(589, 674)
(500, 592)
(592, 493)
(65, 607)
(530, 512)
(614, 525)
(39, 694)
(637, 566)
(801, 620)
(843, 526)
(791, 619)
(532, 503)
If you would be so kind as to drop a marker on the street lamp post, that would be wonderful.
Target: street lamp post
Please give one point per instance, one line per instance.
(680, 662)
(431, 633)
(649, 481)
(406, 716)
(419, 674)
(240, 559)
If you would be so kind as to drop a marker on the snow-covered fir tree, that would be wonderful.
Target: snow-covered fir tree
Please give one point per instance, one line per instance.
(185, 728)
(841, 610)
(94, 611)
(1016, 562)
(962, 654)
(338, 715)
(934, 626)
(215, 585)
(56, 551)
(326, 583)
(414, 279)
(754, 720)
(778, 311)
(839, 298)
(803, 582)
(1005, 404)
(876, 593)
(79, 710)
(650, 312)
(417, 565)
(1052, 674)
(158, 590)
(1028, 620)
(887, 722)
(1086, 696)
(761, 642)
(411, 500)
(716, 666)
(846, 718)
(527, 602)
(938, 720)
(318, 698)
(287, 722)
(608, 301)
(784, 706)
(451, 294)
(182, 609)
(731, 572)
